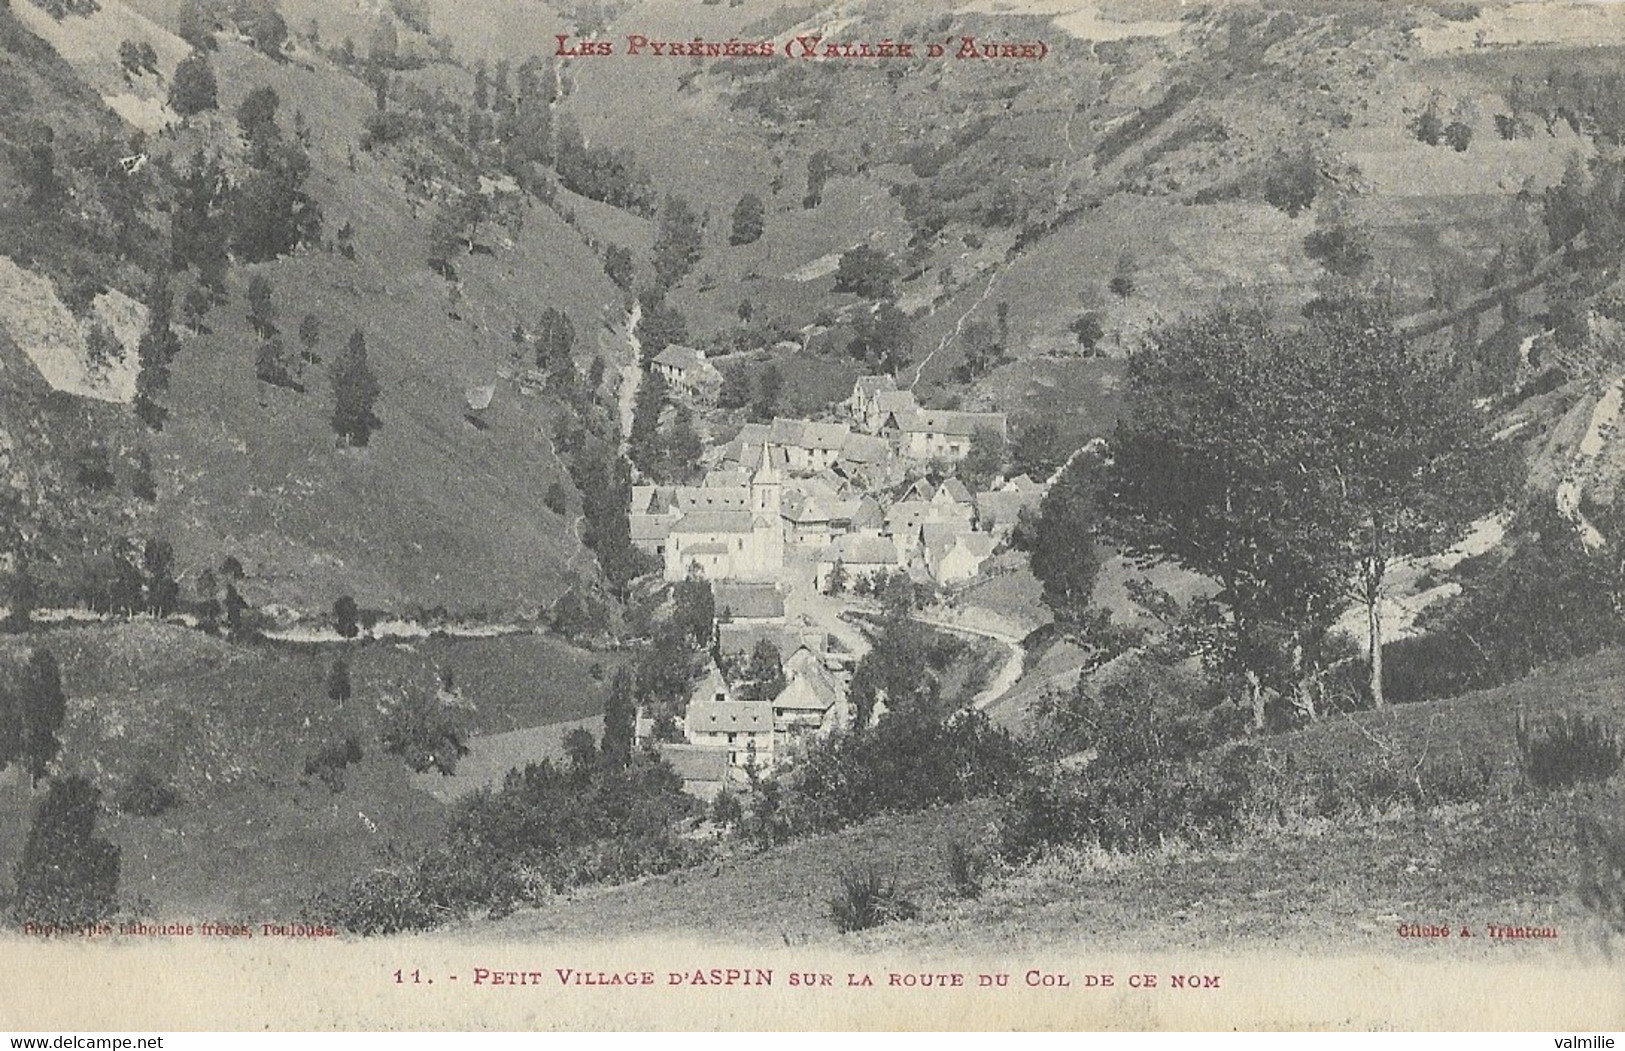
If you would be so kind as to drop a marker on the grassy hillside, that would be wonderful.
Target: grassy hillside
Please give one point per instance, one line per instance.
(231, 728)
(440, 509)
(1303, 884)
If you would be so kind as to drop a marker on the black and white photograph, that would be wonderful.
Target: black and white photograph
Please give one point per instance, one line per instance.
(812, 514)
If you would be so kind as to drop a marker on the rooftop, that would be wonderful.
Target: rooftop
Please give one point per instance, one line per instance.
(856, 549)
(730, 717)
(713, 522)
(694, 762)
(748, 601)
(957, 424)
(677, 356)
(871, 385)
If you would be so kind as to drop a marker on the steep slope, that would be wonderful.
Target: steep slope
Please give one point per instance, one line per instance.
(443, 508)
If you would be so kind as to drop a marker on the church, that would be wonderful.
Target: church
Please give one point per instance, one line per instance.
(728, 531)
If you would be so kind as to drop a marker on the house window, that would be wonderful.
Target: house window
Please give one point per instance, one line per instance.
(731, 737)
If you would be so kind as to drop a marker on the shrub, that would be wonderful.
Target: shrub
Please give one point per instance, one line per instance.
(868, 899)
(906, 762)
(1568, 749)
(437, 888)
(346, 617)
(329, 763)
(146, 794)
(1550, 599)
(1292, 180)
(1129, 808)
(424, 729)
(1088, 330)
(1601, 842)
(67, 876)
(1386, 782)
(967, 868)
(726, 810)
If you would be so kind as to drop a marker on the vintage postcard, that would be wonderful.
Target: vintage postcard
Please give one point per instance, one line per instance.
(757, 515)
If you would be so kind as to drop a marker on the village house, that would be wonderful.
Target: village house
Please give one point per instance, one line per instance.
(685, 369)
(867, 459)
(887, 406)
(997, 511)
(864, 391)
(904, 518)
(812, 701)
(959, 558)
(808, 521)
(818, 509)
(953, 492)
(743, 728)
(943, 435)
(860, 555)
(808, 447)
(704, 770)
(750, 604)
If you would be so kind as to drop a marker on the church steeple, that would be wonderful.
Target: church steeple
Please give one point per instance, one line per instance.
(766, 486)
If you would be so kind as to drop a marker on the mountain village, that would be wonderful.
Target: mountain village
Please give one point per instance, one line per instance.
(793, 511)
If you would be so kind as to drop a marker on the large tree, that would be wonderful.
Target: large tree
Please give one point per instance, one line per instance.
(643, 441)
(678, 240)
(192, 87)
(1291, 467)
(67, 876)
(555, 346)
(749, 220)
(620, 719)
(1060, 542)
(867, 271)
(32, 710)
(355, 391)
(1405, 458)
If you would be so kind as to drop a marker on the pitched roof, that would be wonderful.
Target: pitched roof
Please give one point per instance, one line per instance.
(713, 688)
(824, 436)
(641, 495)
(855, 549)
(693, 498)
(687, 359)
(735, 637)
(748, 601)
(872, 385)
(729, 717)
(712, 522)
(802, 508)
(939, 538)
(1003, 507)
(809, 689)
(650, 527)
(957, 424)
(953, 489)
(909, 515)
(896, 401)
(979, 544)
(1023, 483)
(865, 449)
(785, 432)
(694, 762)
(737, 478)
